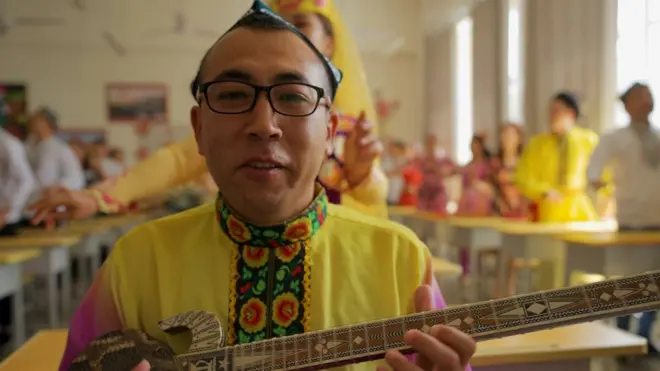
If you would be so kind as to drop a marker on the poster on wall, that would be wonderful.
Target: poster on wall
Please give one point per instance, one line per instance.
(133, 103)
(14, 108)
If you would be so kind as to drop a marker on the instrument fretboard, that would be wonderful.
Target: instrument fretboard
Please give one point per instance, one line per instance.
(484, 320)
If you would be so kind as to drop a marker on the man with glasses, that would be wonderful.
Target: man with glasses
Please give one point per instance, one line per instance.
(350, 174)
(272, 257)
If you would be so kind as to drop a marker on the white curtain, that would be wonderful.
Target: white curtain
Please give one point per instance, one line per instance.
(570, 46)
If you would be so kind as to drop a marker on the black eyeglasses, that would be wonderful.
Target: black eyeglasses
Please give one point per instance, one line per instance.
(288, 99)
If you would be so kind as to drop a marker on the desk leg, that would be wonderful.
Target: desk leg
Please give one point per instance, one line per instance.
(53, 307)
(66, 293)
(18, 316)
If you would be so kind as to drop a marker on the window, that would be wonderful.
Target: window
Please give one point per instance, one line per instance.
(463, 122)
(514, 62)
(638, 56)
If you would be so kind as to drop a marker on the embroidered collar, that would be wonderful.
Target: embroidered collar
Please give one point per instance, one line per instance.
(298, 229)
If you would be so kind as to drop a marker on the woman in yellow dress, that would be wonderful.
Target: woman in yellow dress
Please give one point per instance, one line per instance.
(552, 169)
(351, 175)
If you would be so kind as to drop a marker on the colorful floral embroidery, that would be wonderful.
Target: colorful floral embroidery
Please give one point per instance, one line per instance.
(255, 257)
(253, 316)
(271, 273)
(237, 230)
(285, 309)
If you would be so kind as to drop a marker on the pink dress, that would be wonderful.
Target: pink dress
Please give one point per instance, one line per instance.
(473, 201)
(432, 193)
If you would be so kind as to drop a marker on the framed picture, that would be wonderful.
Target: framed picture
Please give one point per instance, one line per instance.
(14, 108)
(130, 103)
(82, 136)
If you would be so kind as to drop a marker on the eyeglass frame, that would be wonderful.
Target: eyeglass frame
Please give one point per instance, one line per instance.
(203, 89)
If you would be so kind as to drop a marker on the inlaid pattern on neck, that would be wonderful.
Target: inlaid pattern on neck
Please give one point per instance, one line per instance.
(485, 320)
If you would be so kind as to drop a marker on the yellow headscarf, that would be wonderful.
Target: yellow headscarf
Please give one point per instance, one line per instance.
(353, 95)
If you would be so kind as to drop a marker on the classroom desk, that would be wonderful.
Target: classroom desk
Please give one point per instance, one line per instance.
(87, 252)
(53, 261)
(474, 233)
(611, 253)
(11, 284)
(567, 349)
(431, 228)
(445, 268)
(529, 240)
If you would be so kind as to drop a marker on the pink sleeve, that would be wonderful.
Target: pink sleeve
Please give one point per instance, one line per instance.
(96, 315)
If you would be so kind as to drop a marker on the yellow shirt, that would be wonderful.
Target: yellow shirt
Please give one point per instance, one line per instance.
(538, 172)
(332, 266)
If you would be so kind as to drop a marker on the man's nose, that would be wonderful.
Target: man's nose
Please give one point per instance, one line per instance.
(264, 120)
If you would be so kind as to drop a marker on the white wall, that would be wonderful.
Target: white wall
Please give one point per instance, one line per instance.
(68, 67)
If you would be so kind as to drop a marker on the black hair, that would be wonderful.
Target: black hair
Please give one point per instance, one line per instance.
(482, 143)
(632, 87)
(50, 116)
(570, 100)
(261, 21)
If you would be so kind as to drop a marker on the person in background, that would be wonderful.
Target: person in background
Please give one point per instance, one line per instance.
(508, 202)
(92, 166)
(100, 152)
(633, 155)
(16, 184)
(78, 148)
(394, 162)
(552, 171)
(271, 228)
(117, 154)
(361, 183)
(53, 161)
(477, 192)
(436, 166)
(413, 178)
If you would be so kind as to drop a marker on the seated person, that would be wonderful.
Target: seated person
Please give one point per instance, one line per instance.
(271, 257)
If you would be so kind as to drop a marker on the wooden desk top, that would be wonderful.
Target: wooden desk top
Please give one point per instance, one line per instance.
(110, 221)
(401, 210)
(475, 222)
(606, 239)
(580, 341)
(18, 256)
(428, 216)
(44, 350)
(43, 241)
(443, 267)
(67, 230)
(526, 227)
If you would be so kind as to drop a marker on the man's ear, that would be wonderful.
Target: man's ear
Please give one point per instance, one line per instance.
(333, 123)
(195, 121)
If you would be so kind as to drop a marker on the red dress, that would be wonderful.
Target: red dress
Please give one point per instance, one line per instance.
(412, 181)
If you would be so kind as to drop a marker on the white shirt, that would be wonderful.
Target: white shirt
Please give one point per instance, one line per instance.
(636, 183)
(55, 163)
(16, 179)
(395, 183)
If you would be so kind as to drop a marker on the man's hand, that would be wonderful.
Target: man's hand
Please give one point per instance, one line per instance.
(442, 349)
(143, 366)
(362, 147)
(78, 204)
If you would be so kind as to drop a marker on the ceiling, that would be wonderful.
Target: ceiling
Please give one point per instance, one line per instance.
(378, 24)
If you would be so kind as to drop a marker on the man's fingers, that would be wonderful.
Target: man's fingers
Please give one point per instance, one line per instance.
(423, 298)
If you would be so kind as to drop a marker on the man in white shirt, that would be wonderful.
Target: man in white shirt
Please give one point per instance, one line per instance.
(16, 182)
(633, 153)
(53, 160)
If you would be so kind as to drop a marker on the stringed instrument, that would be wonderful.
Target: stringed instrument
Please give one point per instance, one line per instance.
(122, 350)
